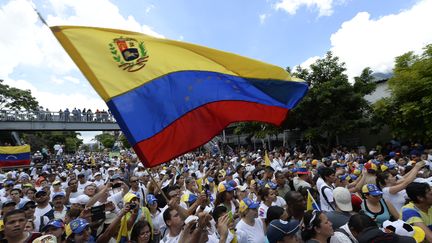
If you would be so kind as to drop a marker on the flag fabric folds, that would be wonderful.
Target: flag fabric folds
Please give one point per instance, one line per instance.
(311, 203)
(14, 155)
(171, 97)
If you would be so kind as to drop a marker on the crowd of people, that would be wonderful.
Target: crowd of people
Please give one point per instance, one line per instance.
(283, 195)
(67, 115)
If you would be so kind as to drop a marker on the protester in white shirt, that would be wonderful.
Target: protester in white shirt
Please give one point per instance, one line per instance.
(326, 189)
(250, 227)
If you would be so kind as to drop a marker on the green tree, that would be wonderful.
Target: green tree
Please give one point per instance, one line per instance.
(333, 106)
(106, 139)
(85, 147)
(408, 111)
(256, 129)
(124, 141)
(37, 140)
(16, 99)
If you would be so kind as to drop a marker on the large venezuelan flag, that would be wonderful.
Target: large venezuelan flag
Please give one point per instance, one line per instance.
(14, 155)
(171, 97)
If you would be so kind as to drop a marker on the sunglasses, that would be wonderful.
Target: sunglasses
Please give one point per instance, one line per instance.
(41, 195)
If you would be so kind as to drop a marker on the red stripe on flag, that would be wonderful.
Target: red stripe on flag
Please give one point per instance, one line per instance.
(200, 125)
(10, 163)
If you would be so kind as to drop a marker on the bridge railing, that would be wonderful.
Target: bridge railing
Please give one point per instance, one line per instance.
(50, 116)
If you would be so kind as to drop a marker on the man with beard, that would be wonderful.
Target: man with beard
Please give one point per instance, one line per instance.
(59, 207)
(43, 207)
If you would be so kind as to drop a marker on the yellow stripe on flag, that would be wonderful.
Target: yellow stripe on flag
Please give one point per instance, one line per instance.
(95, 52)
(15, 149)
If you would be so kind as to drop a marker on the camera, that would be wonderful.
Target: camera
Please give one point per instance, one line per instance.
(117, 185)
(132, 206)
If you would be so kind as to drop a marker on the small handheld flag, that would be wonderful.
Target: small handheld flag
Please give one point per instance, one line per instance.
(311, 203)
(267, 159)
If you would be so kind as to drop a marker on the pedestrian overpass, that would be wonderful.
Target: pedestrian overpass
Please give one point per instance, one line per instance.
(11, 120)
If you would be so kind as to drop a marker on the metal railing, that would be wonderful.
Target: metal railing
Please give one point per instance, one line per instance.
(50, 116)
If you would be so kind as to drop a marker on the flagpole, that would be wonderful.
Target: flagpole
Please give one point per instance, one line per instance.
(313, 200)
(40, 17)
(157, 185)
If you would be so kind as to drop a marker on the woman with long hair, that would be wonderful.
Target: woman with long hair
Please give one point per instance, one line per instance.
(156, 218)
(375, 206)
(316, 227)
(225, 197)
(180, 182)
(394, 191)
(267, 196)
(141, 232)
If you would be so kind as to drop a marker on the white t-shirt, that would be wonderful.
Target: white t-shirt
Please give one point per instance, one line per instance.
(169, 239)
(398, 199)
(158, 222)
(81, 187)
(320, 182)
(329, 195)
(60, 214)
(262, 211)
(99, 183)
(42, 211)
(75, 194)
(117, 199)
(250, 234)
(279, 202)
(37, 222)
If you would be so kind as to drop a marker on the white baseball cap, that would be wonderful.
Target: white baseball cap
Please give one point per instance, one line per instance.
(342, 198)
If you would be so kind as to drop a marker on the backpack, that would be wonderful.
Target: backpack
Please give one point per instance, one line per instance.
(50, 214)
(325, 196)
(42, 223)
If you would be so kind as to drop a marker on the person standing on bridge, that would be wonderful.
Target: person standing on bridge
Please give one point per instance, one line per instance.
(89, 115)
(66, 114)
(61, 115)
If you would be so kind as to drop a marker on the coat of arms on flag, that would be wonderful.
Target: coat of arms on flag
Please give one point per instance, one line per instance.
(129, 54)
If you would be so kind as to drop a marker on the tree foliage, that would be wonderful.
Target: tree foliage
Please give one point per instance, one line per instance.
(38, 140)
(408, 111)
(106, 139)
(16, 99)
(124, 141)
(333, 106)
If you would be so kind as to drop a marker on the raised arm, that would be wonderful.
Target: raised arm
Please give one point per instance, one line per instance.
(99, 195)
(408, 179)
(112, 228)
